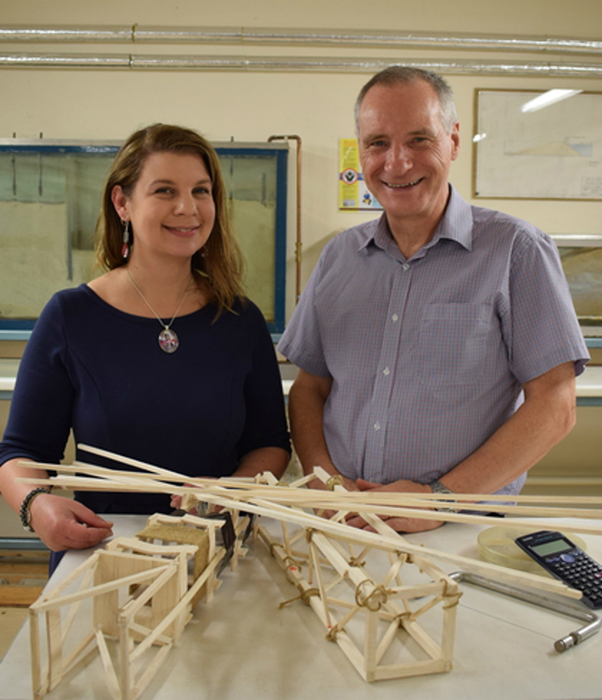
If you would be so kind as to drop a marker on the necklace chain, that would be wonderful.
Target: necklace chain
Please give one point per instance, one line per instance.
(168, 339)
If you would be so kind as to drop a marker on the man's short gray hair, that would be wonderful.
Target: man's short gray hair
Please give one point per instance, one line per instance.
(402, 75)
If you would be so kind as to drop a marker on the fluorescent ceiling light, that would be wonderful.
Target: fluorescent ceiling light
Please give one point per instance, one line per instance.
(548, 98)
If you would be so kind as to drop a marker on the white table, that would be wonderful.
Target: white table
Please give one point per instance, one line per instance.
(241, 646)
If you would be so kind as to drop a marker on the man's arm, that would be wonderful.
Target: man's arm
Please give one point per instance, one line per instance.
(544, 419)
(306, 409)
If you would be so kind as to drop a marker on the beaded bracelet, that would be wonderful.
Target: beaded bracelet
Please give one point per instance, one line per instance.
(24, 511)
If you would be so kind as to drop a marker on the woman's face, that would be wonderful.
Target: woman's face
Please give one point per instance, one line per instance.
(171, 209)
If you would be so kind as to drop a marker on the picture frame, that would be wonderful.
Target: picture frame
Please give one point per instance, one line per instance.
(553, 152)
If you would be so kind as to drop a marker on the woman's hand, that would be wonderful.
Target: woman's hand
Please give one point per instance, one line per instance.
(177, 499)
(62, 523)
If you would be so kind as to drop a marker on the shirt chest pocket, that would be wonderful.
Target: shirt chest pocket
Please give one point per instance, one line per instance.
(452, 346)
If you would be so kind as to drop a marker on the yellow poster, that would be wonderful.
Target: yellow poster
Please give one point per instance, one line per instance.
(353, 193)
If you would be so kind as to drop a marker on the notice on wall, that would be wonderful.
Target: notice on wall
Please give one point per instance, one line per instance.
(353, 193)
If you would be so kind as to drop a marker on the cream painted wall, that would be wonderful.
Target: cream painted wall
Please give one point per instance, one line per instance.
(250, 106)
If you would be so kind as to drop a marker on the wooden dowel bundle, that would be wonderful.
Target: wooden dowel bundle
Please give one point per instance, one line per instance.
(368, 503)
(292, 505)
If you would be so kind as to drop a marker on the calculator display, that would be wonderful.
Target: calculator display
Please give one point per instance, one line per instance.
(553, 547)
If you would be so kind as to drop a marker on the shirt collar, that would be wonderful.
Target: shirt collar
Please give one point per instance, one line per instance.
(455, 225)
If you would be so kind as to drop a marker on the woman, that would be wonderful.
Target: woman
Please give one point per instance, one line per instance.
(161, 358)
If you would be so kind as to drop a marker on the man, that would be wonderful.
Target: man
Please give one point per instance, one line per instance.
(437, 346)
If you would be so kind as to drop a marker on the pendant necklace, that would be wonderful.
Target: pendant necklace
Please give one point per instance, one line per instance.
(168, 339)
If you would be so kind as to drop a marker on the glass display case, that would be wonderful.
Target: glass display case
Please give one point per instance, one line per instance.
(50, 196)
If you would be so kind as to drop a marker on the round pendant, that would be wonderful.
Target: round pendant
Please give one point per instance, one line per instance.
(168, 341)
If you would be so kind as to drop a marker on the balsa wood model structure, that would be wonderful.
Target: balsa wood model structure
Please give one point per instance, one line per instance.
(381, 599)
(139, 593)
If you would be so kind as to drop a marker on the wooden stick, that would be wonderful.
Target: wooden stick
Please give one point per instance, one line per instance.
(391, 506)
(74, 608)
(134, 605)
(67, 581)
(149, 672)
(82, 649)
(415, 513)
(209, 495)
(55, 649)
(36, 658)
(100, 589)
(364, 496)
(110, 675)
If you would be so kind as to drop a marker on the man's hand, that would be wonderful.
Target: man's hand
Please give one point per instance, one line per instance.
(346, 483)
(319, 485)
(65, 524)
(398, 524)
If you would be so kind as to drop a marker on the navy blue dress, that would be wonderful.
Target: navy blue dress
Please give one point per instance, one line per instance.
(101, 373)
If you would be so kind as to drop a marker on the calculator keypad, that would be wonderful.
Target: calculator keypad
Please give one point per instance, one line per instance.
(579, 571)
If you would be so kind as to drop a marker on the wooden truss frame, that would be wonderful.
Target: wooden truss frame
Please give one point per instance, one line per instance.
(385, 607)
(140, 593)
(143, 589)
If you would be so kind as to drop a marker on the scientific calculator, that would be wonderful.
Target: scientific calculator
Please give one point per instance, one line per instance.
(567, 562)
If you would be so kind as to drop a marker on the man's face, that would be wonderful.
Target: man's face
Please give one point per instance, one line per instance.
(405, 152)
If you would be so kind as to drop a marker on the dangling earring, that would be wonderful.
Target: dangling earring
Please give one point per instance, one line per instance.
(125, 248)
(204, 252)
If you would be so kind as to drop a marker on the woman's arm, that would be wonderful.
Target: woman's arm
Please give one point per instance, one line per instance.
(264, 459)
(59, 522)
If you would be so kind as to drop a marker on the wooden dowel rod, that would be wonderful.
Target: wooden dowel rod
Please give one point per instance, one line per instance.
(68, 580)
(371, 496)
(208, 495)
(102, 588)
(325, 497)
(81, 650)
(126, 460)
(110, 675)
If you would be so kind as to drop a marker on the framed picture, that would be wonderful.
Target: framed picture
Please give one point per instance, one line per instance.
(526, 152)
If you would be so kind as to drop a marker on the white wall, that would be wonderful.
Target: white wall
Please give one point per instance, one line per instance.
(251, 106)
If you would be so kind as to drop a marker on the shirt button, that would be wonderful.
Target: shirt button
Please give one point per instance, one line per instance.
(406, 266)
(386, 371)
(377, 426)
(394, 318)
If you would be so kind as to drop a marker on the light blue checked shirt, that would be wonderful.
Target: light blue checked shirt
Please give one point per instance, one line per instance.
(428, 355)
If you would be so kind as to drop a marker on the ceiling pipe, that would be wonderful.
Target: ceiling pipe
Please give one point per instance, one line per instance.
(288, 36)
(298, 64)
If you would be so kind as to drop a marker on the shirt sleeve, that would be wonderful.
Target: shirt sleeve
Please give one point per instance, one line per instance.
(40, 415)
(544, 328)
(265, 422)
(301, 342)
